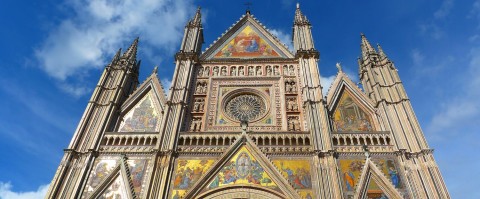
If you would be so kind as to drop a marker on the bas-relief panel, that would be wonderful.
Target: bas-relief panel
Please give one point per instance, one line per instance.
(188, 172)
(349, 116)
(351, 170)
(247, 44)
(102, 168)
(116, 190)
(298, 173)
(141, 118)
(242, 169)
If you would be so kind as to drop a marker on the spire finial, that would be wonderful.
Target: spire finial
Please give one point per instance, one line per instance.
(131, 53)
(196, 21)
(300, 19)
(155, 69)
(298, 5)
(339, 66)
(248, 4)
(380, 51)
(366, 46)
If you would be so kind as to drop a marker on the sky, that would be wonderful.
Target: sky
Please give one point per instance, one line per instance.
(52, 54)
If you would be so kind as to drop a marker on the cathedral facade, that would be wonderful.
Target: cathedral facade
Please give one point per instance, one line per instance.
(247, 119)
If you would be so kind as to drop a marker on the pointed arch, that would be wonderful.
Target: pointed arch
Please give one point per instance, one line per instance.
(116, 183)
(371, 172)
(349, 108)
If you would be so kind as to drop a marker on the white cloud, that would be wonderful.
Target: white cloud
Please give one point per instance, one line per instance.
(444, 9)
(7, 193)
(97, 28)
(462, 110)
(417, 58)
(166, 82)
(326, 83)
(283, 37)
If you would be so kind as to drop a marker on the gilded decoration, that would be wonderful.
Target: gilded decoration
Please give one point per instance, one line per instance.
(117, 189)
(242, 169)
(137, 169)
(247, 44)
(349, 116)
(141, 118)
(102, 168)
(188, 172)
(351, 170)
(298, 173)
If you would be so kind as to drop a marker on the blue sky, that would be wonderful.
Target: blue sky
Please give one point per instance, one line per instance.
(53, 51)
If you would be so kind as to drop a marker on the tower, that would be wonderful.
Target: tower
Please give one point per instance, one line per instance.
(247, 119)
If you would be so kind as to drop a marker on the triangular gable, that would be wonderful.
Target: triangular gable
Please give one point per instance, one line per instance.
(252, 169)
(141, 112)
(351, 110)
(371, 174)
(117, 184)
(247, 39)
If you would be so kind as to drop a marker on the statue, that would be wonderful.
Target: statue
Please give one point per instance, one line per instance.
(250, 71)
(292, 71)
(241, 71)
(224, 71)
(339, 67)
(269, 70)
(215, 71)
(259, 71)
(275, 70)
(206, 72)
(200, 72)
(233, 71)
(285, 70)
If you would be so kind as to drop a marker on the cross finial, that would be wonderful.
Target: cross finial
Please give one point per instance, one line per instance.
(248, 4)
(339, 67)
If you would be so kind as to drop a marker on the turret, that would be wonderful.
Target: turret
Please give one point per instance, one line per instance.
(302, 34)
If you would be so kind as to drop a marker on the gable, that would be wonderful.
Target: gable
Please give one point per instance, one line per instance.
(143, 117)
(247, 43)
(243, 169)
(350, 116)
(117, 189)
(247, 39)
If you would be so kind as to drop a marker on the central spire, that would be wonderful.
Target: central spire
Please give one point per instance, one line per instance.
(300, 19)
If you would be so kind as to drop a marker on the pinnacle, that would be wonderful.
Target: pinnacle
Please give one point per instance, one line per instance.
(380, 51)
(300, 19)
(197, 19)
(366, 46)
(131, 53)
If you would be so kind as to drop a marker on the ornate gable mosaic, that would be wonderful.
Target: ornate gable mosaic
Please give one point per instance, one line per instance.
(247, 44)
(349, 116)
(144, 117)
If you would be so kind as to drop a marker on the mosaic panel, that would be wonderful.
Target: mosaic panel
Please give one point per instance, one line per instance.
(247, 44)
(244, 169)
(349, 116)
(102, 168)
(351, 170)
(143, 117)
(137, 169)
(116, 190)
(187, 173)
(298, 174)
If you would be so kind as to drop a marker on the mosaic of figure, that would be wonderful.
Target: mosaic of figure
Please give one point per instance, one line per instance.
(137, 170)
(348, 116)
(247, 44)
(351, 170)
(116, 190)
(102, 168)
(187, 173)
(298, 174)
(142, 118)
(293, 123)
(243, 168)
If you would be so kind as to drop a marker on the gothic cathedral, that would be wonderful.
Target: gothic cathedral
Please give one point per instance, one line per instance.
(247, 119)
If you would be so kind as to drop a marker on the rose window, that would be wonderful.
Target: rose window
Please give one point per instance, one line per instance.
(247, 107)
